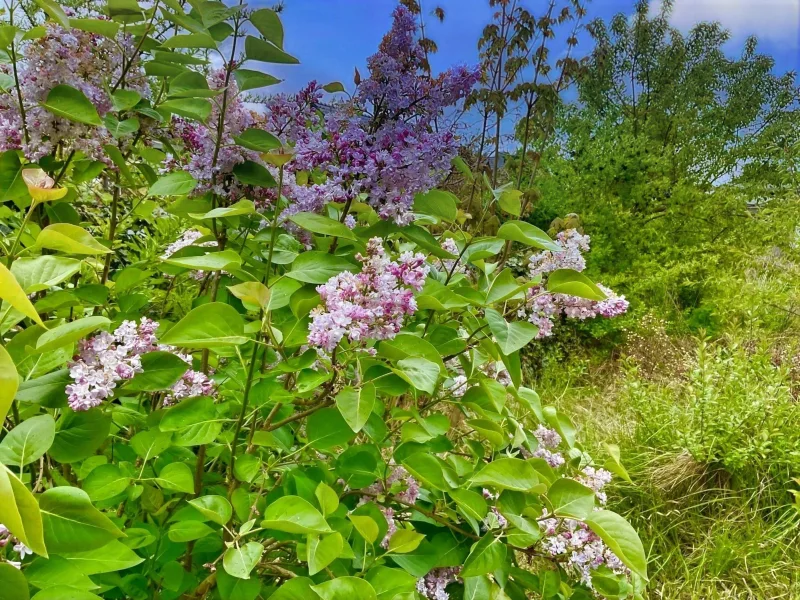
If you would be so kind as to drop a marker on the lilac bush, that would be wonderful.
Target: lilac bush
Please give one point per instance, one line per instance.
(336, 407)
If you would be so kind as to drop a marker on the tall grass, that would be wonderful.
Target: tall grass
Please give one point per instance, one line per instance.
(710, 434)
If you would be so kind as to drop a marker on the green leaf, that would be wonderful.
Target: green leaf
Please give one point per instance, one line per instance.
(257, 49)
(507, 473)
(211, 261)
(573, 283)
(257, 140)
(621, 538)
(69, 238)
(298, 588)
(196, 109)
(177, 183)
(356, 405)
(333, 87)
(509, 201)
(242, 207)
(105, 481)
(160, 371)
(177, 477)
(292, 514)
(194, 41)
(119, 128)
(328, 499)
(123, 99)
(510, 336)
(47, 390)
(55, 12)
(269, 25)
(571, 499)
(487, 555)
(366, 527)
(318, 267)
(419, 372)
(255, 174)
(28, 441)
(428, 469)
(12, 186)
(57, 571)
(345, 588)
(79, 434)
(188, 412)
(19, 512)
(248, 79)
(208, 326)
(614, 464)
(323, 225)
(114, 556)
(239, 561)
(322, 551)
(437, 203)
(525, 233)
(65, 592)
(187, 531)
(67, 102)
(38, 273)
(69, 333)
(504, 286)
(470, 503)
(405, 540)
(71, 523)
(150, 443)
(214, 508)
(391, 583)
(107, 29)
(13, 293)
(253, 293)
(13, 585)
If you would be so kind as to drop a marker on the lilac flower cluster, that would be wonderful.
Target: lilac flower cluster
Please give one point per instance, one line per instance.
(86, 61)
(548, 440)
(409, 495)
(596, 479)
(434, 584)
(578, 548)
(106, 359)
(369, 305)
(382, 142)
(7, 538)
(494, 519)
(542, 308)
(209, 165)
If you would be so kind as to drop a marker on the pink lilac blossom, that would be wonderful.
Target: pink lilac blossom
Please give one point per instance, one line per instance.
(578, 548)
(596, 480)
(106, 359)
(209, 164)
(571, 257)
(434, 584)
(369, 305)
(548, 440)
(542, 308)
(7, 538)
(85, 61)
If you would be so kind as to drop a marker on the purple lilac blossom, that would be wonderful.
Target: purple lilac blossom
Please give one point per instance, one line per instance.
(382, 142)
(369, 305)
(433, 585)
(86, 61)
(577, 547)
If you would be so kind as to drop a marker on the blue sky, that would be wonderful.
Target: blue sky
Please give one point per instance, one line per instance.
(332, 37)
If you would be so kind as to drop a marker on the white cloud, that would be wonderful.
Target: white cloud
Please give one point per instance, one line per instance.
(775, 20)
